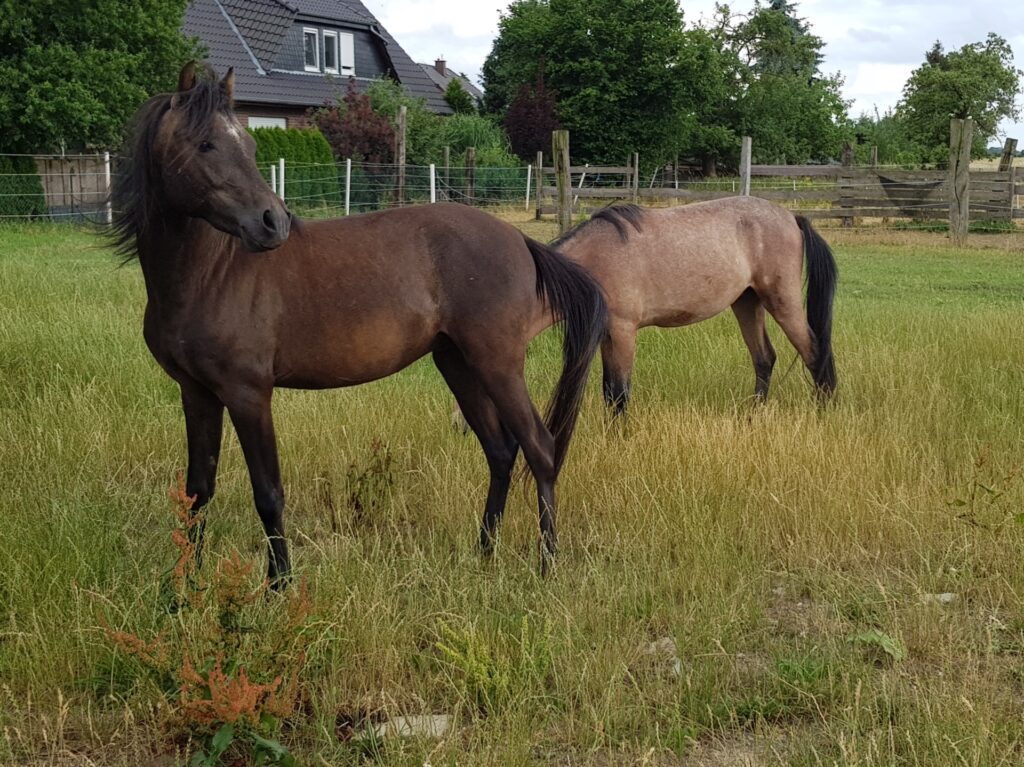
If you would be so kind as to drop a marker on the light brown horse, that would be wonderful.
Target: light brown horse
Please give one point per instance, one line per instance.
(677, 266)
(243, 298)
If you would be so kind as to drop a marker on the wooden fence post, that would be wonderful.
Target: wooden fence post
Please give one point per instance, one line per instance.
(1013, 192)
(400, 153)
(874, 156)
(540, 184)
(636, 178)
(847, 161)
(960, 134)
(560, 153)
(1009, 150)
(470, 174)
(746, 150)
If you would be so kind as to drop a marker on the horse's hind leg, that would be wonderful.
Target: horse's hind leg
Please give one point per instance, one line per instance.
(481, 415)
(506, 387)
(750, 313)
(787, 309)
(618, 352)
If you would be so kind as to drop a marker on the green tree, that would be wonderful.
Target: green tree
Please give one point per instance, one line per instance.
(793, 112)
(612, 64)
(424, 130)
(518, 53)
(72, 74)
(458, 98)
(979, 81)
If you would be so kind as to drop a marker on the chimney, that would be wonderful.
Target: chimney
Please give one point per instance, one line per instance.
(441, 66)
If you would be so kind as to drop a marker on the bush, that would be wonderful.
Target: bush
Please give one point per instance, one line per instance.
(354, 131)
(21, 189)
(311, 175)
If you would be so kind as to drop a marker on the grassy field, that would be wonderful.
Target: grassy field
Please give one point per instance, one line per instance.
(736, 585)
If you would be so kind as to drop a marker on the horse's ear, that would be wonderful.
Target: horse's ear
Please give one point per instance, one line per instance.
(229, 85)
(186, 82)
(187, 78)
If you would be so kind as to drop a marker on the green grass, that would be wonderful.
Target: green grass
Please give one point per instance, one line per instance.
(760, 540)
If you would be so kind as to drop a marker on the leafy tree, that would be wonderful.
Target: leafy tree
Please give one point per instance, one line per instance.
(517, 54)
(792, 111)
(72, 74)
(888, 133)
(458, 98)
(709, 69)
(424, 130)
(531, 118)
(354, 130)
(978, 81)
(611, 62)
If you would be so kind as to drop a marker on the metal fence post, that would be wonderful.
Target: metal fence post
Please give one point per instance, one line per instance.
(348, 184)
(280, 178)
(433, 184)
(109, 212)
(273, 178)
(529, 174)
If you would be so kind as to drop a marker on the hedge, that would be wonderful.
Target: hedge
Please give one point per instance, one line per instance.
(21, 190)
(311, 175)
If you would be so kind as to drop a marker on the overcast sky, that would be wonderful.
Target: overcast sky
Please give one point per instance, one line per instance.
(875, 44)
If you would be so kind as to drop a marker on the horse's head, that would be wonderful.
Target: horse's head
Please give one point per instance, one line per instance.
(206, 164)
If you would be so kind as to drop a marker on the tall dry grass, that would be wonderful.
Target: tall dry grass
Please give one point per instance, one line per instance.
(791, 554)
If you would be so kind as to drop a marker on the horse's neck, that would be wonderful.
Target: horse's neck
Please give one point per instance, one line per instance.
(175, 254)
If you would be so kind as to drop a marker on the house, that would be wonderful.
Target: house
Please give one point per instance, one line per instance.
(441, 76)
(290, 55)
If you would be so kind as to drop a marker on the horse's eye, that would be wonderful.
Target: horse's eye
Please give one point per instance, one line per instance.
(206, 146)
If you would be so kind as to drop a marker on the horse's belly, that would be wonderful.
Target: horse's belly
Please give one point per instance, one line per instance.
(357, 355)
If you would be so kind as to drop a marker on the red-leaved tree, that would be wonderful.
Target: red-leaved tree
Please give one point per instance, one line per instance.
(354, 130)
(531, 117)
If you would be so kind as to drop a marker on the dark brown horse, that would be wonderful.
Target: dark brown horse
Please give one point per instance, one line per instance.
(679, 266)
(243, 298)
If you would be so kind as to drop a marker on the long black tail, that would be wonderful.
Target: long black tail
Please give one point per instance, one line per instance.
(822, 275)
(577, 300)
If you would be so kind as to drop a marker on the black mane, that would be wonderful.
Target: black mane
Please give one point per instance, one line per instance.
(621, 215)
(132, 190)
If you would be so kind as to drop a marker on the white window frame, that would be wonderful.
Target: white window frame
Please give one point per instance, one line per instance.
(331, 35)
(255, 121)
(346, 41)
(316, 36)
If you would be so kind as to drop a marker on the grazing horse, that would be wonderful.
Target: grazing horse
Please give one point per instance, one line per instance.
(678, 266)
(243, 297)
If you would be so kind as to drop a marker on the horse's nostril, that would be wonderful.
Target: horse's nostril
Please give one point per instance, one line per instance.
(268, 220)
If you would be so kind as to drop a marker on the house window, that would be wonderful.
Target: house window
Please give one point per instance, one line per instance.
(331, 52)
(348, 53)
(311, 44)
(267, 122)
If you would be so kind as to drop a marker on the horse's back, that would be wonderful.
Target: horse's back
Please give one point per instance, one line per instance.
(686, 264)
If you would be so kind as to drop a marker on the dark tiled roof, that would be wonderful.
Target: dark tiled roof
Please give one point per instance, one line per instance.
(262, 23)
(226, 34)
(441, 81)
(336, 10)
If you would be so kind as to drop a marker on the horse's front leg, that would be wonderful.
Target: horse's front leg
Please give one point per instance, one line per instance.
(252, 419)
(204, 421)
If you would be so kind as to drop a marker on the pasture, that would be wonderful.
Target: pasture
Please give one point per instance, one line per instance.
(736, 585)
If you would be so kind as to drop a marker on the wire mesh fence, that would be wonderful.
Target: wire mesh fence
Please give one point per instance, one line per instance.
(76, 188)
